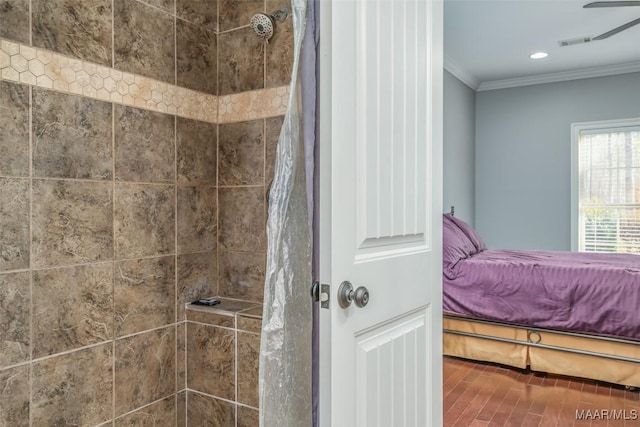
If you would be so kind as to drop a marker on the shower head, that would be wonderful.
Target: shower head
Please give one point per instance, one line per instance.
(263, 24)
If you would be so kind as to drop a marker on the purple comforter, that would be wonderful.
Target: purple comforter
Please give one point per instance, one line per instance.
(572, 291)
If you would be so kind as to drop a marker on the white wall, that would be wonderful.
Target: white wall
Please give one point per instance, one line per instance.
(523, 155)
(459, 148)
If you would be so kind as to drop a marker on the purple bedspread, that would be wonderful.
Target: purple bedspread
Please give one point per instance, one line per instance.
(571, 291)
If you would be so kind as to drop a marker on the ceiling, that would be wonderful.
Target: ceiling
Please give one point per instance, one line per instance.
(487, 43)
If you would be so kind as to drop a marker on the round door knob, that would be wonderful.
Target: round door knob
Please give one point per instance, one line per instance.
(346, 295)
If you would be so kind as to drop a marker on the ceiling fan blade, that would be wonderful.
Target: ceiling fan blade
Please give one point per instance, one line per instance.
(611, 4)
(617, 30)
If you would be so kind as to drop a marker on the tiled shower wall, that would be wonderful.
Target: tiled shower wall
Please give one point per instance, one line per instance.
(112, 216)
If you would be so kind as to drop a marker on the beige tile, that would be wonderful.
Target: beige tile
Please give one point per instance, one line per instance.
(145, 368)
(210, 358)
(144, 145)
(14, 397)
(74, 27)
(196, 151)
(14, 223)
(158, 414)
(242, 222)
(71, 136)
(72, 222)
(144, 40)
(205, 411)
(144, 220)
(248, 417)
(240, 61)
(200, 12)
(196, 57)
(248, 364)
(15, 324)
(74, 388)
(197, 219)
(238, 13)
(144, 292)
(242, 275)
(241, 153)
(197, 278)
(279, 51)
(14, 127)
(74, 309)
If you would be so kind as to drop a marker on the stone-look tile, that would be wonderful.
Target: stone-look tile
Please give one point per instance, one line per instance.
(242, 219)
(257, 104)
(197, 278)
(77, 28)
(240, 61)
(144, 40)
(248, 365)
(197, 219)
(196, 57)
(74, 388)
(251, 320)
(226, 320)
(14, 223)
(144, 145)
(158, 414)
(248, 417)
(166, 5)
(71, 136)
(14, 21)
(144, 220)
(72, 222)
(181, 410)
(273, 126)
(15, 311)
(199, 12)
(74, 308)
(241, 153)
(144, 291)
(145, 368)
(241, 275)
(196, 152)
(14, 126)
(211, 361)
(279, 51)
(238, 13)
(14, 397)
(181, 356)
(205, 411)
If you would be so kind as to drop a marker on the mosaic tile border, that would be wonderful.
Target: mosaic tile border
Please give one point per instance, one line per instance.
(38, 67)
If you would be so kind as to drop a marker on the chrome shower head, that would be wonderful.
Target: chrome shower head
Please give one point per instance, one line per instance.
(264, 24)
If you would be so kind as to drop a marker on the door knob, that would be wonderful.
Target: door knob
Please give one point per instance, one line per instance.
(346, 295)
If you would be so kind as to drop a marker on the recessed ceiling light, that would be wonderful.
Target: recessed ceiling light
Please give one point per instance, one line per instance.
(538, 55)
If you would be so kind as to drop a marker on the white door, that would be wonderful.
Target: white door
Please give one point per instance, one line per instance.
(380, 211)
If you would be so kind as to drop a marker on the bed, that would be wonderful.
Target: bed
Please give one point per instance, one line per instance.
(568, 313)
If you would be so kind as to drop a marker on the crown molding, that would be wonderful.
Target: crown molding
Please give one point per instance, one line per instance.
(585, 73)
(460, 73)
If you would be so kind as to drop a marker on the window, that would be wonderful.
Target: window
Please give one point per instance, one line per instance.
(606, 186)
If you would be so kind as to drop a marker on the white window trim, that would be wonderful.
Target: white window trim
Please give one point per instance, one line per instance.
(576, 129)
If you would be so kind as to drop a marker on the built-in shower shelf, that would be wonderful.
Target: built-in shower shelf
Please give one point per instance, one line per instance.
(229, 313)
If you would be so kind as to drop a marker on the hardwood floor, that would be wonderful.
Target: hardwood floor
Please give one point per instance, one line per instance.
(483, 394)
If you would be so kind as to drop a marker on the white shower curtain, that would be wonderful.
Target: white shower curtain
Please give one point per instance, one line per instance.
(285, 350)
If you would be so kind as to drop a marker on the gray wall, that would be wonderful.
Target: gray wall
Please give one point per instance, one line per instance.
(459, 148)
(523, 155)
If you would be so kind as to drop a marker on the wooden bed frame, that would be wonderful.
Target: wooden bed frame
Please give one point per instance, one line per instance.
(602, 358)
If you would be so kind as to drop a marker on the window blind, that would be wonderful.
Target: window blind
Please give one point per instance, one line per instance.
(609, 191)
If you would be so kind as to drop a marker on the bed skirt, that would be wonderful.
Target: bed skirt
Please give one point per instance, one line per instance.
(600, 358)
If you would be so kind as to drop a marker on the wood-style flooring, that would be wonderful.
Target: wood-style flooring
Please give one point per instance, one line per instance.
(484, 394)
